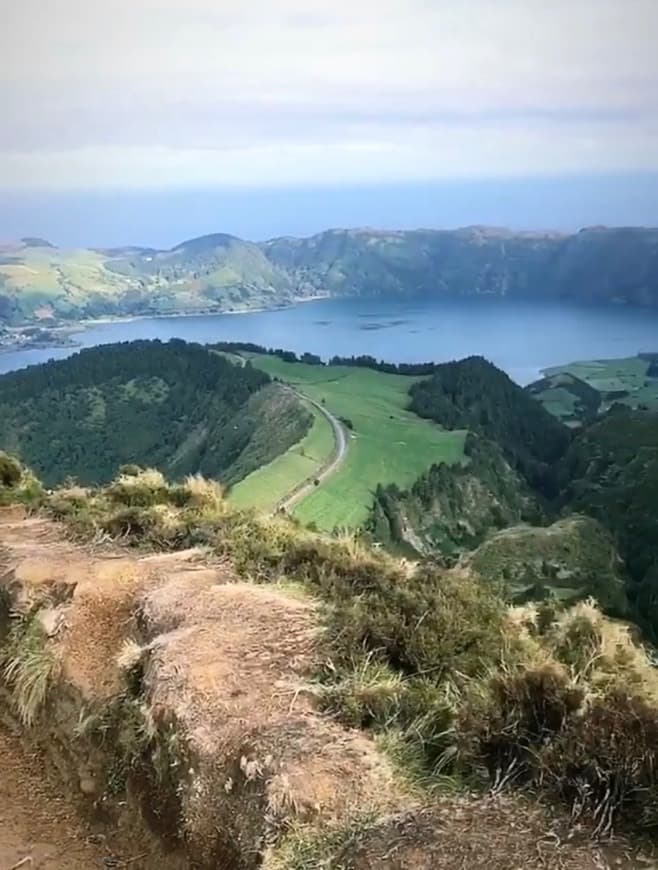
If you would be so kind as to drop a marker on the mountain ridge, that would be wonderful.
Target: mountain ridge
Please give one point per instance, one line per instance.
(219, 272)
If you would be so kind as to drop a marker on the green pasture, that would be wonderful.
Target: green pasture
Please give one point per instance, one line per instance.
(388, 443)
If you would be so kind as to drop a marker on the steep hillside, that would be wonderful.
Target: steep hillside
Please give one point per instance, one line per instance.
(596, 264)
(611, 473)
(175, 406)
(39, 282)
(238, 692)
(570, 560)
(473, 394)
(452, 508)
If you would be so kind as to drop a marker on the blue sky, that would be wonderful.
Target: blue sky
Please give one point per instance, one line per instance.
(180, 116)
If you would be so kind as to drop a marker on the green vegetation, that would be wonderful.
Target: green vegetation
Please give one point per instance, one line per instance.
(176, 406)
(473, 394)
(17, 484)
(452, 508)
(430, 660)
(577, 392)
(388, 443)
(571, 560)
(611, 473)
(28, 667)
(264, 488)
(596, 264)
(42, 283)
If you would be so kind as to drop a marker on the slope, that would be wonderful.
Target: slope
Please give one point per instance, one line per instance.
(452, 508)
(473, 394)
(176, 406)
(611, 473)
(386, 442)
(185, 689)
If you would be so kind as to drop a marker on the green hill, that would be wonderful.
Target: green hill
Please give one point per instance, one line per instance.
(611, 473)
(176, 406)
(579, 391)
(387, 442)
(473, 394)
(452, 508)
(214, 273)
(570, 560)
(593, 265)
(40, 282)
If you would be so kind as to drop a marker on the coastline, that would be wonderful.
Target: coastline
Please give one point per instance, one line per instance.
(203, 312)
(74, 328)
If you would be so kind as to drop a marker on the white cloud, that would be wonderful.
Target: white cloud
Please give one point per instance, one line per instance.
(137, 92)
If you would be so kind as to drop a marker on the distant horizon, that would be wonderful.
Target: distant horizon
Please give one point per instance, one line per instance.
(165, 218)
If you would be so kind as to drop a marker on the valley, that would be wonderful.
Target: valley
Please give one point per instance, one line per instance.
(452, 564)
(386, 443)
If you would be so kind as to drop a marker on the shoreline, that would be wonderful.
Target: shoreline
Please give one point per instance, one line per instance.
(81, 326)
(128, 318)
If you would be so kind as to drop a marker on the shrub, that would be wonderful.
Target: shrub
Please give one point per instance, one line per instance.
(364, 695)
(11, 471)
(198, 492)
(144, 489)
(605, 762)
(517, 713)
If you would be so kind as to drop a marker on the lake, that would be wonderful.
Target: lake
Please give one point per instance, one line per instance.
(520, 337)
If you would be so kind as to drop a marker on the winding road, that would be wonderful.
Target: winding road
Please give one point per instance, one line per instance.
(306, 487)
(288, 502)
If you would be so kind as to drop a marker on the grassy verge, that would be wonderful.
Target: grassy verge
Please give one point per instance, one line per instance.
(387, 443)
(265, 487)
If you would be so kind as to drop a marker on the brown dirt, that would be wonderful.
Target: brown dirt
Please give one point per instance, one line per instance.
(242, 750)
(37, 822)
(230, 664)
(502, 832)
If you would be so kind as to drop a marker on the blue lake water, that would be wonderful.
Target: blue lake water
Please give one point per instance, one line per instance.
(521, 338)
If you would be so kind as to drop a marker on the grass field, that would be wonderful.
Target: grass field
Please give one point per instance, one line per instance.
(609, 376)
(266, 486)
(388, 443)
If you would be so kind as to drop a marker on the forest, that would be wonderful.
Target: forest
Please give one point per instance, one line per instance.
(173, 405)
(473, 394)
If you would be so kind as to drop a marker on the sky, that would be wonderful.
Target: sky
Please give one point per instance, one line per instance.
(290, 115)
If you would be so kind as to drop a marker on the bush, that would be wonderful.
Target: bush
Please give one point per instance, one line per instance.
(144, 489)
(11, 471)
(517, 714)
(605, 762)
(364, 695)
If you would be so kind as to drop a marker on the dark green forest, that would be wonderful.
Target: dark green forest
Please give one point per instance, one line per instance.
(473, 394)
(611, 473)
(175, 406)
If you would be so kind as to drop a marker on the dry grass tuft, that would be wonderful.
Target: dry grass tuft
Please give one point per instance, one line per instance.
(199, 492)
(30, 668)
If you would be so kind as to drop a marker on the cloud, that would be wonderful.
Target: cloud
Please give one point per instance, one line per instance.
(133, 93)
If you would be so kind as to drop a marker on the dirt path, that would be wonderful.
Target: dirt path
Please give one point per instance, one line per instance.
(330, 467)
(39, 827)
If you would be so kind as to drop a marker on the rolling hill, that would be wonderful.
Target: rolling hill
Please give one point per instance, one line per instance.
(41, 283)
(176, 406)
